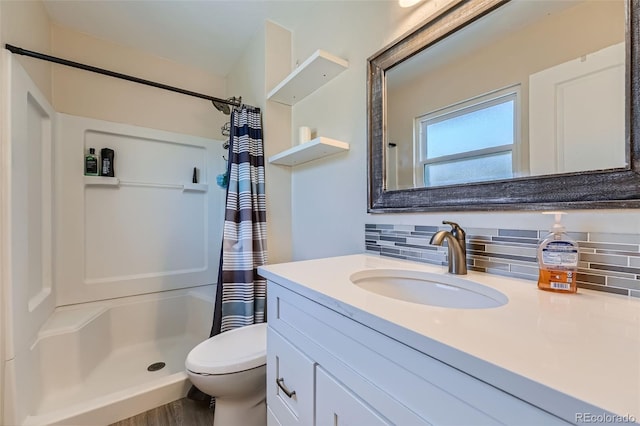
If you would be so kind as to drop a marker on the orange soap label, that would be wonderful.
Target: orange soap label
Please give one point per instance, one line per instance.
(554, 280)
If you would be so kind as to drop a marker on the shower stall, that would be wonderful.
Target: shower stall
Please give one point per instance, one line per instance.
(112, 278)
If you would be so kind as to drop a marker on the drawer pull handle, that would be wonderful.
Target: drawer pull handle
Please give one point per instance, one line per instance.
(286, 391)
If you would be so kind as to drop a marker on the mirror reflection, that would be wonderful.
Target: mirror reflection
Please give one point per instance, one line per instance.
(533, 88)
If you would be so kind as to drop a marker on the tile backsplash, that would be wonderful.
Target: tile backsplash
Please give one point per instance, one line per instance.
(608, 262)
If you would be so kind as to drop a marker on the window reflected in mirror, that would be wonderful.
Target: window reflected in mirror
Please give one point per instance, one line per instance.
(534, 88)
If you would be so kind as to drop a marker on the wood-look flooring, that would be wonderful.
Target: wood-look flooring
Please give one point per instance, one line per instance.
(183, 412)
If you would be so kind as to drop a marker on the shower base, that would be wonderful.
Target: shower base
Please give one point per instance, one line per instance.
(92, 359)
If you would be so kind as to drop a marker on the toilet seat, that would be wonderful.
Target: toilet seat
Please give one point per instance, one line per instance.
(230, 352)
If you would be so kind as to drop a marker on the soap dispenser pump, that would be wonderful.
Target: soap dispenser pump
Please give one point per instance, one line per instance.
(558, 259)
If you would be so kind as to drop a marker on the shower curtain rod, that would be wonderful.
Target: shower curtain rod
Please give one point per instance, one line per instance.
(25, 52)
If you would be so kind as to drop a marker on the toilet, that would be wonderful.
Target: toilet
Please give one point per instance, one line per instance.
(231, 367)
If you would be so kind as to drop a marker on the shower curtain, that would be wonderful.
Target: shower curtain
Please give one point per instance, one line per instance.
(241, 292)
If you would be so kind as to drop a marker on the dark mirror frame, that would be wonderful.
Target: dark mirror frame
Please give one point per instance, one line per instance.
(611, 188)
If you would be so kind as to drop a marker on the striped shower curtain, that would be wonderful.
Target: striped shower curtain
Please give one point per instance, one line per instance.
(241, 292)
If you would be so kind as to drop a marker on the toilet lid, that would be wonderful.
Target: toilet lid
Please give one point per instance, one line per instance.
(229, 352)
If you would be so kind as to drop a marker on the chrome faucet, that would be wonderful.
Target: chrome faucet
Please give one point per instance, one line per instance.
(457, 251)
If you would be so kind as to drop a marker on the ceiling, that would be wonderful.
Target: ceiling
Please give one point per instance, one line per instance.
(207, 34)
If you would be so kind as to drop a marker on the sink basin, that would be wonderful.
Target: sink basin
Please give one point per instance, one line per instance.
(427, 288)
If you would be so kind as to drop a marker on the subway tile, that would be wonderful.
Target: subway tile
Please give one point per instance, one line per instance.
(481, 232)
(394, 239)
(387, 250)
(619, 253)
(396, 256)
(381, 226)
(611, 259)
(614, 269)
(511, 250)
(623, 283)
(528, 241)
(591, 278)
(604, 258)
(527, 270)
(517, 233)
(409, 253)
(417, 246)
(436, 256)
(421, 228)
(396, 233)
(608, 246)
(577, 236)
(430, 261)
(604, 288)
(634, 293)
(418, 241)
(475, 247)
(515, 275)
(422, 234)
(512, 257)
(404, 228)
(614, 238)
(478, 238)
(487, 264)
(369, 226)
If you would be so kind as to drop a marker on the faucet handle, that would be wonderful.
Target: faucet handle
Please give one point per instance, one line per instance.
(456, 230)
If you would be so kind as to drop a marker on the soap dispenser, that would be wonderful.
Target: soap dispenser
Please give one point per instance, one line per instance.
(558, 259)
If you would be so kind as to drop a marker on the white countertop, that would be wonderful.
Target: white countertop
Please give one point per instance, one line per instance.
(585, 345)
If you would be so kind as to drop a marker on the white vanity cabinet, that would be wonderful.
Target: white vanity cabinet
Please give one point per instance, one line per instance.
(338, 371)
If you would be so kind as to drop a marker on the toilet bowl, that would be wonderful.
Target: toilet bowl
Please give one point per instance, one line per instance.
(231, 367)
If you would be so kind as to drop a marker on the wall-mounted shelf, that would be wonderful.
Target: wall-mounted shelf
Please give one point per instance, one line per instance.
(113, 181)
(318, 69)
(309, 151)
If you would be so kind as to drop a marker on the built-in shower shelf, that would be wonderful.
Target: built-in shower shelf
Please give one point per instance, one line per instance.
(314, 149)
(101, 180)
(116, 182)
(317, 70)
(195, 187)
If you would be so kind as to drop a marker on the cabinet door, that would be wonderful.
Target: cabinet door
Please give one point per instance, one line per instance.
(338, 406)
(290, 384)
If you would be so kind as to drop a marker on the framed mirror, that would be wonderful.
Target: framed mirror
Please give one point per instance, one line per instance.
(508, 105)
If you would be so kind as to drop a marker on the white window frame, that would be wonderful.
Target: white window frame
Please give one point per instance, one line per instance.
(461, 108)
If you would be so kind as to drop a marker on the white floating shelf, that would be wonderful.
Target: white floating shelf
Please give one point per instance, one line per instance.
(309, 151)
(101, 180)
(318, 69)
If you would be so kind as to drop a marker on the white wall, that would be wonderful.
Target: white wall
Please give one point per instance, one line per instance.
(26, 24)
(88, 94)
(329, 196)
(264, 63)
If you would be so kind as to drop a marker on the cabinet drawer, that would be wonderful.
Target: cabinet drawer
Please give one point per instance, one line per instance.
(336, 405)
(290, 382)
